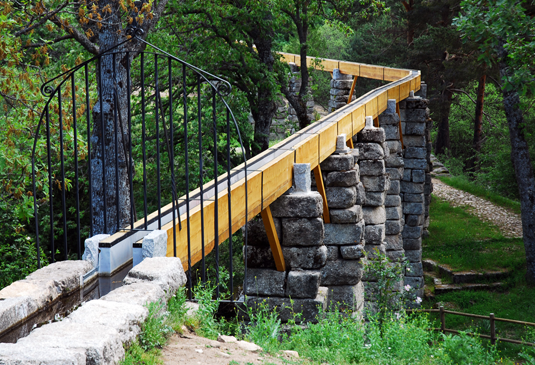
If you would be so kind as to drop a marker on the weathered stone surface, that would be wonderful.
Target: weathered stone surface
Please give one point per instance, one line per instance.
(352, 252)
(414, 282)
(333, 253)
(391, 131)
(395, 173)
(396, 256)
(413, 198)
(302, 231)
(154, 244)
(349, 215)
(259, 257)
(418, 164)
(91, 248)
(393, 227)
(66, 274)
(303, 284)
(124, 317)
(342, 178)
(375, 199)
(418, 176)
(341, 84)
(414, 220)
(416, 115)
(340, 197)
(373, 252)
(337, 75)
(412, 243)
(414, 141)
(412, 232)
(395, 188)
(414, 256)
(360, 198)
(139, 293)
(407, 175)
(394, 160)
(415, 128)
(392, 201)
(414, 269)
(374, 215)
(371, 168)
(412, 188)
(415, 152)
(286, 307)
(394, 146)
(265, 282)
(376, 183)
(338, 163)
(302, 179)
(14, 310)
(370, 151)
(305, 257)
(249, 346)
(344, 234)
(346, 297)
(394, 213)
(375, 234)
(371, 135)
(256, 232)
(298, 205)
(393, 242)
(167, 272)
(388, 119)
(413, 208)
(341, 272)
(100, 344)
(28, 354)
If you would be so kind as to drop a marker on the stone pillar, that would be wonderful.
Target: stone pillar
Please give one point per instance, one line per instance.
(294, 86)
(280, 126)
(340, 88)
(414, 116)
(344, 236)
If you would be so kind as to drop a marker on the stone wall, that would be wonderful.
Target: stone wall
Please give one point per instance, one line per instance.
(340, 88)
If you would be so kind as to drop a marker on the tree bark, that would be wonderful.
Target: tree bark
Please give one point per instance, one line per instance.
(523, 166)
(473, 163)
(443, 136)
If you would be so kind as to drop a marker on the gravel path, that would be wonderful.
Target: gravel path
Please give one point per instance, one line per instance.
(508, 222)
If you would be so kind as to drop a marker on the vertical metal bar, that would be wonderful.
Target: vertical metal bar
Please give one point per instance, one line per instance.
(216, 207)
(88, 117)
(172, 152)
(35, 213)
(201, 176)
(442, 319)
(185, 92)
(129, 160)
(50, 185)
(156, 99)
(143, 138)
(492, 329)
(116, 142)
(63, 186)
(229, 204)
(73, 91)
(103, 145)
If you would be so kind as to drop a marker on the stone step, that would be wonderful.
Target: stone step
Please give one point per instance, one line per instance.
(446, 288)
(463, 277)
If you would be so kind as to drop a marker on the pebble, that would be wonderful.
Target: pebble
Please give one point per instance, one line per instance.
(249, 346)
(291, 353)
(227, 339)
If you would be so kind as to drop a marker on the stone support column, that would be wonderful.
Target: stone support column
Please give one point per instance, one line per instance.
(294, 86)
(340, 88)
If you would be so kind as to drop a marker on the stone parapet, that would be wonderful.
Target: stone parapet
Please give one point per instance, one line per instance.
(340, 89)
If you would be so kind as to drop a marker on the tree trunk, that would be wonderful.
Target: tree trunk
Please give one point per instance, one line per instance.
(443, 136)
(473, 163)
(525, 177)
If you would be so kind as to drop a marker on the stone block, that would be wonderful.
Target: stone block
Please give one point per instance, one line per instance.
(371, 168)
(371, 135)
(337, 75)
(418, 176)
(352, 252)
(139, 293)
(414, 282)
(412, 243)
(341, 84)
(413, 198)
(338, 163)
(393, 242)
(414, 220)
(344, 234)
(415, 128)
(19, 354)
(337, 104)
(349, 215)
(388, 119)
(407, 175)
(375, 234)
(360, 198)
(394, 213)
(298, 205)
(375, 199)
(374, 252)
(166, 272)
(346, 297)
(265, 282)
(392, 201)
(428, 189)
(414, 269)
(374, 215)
(396, 256)
(15, 310)
(260, 257)
(333, 253)
(302, 179)
(415, 152)
(342, 178)
(394, 160)
(395, 187)
(341, 272)
(154, 244)
(305, 257)
(412, 188)
(256, 232)
(341, 197)
(413, 208)
(414, 256)
(414, 141)
(303, 284)
(91, 248)
(391, 131)
(376, 183)
(416, 115)
(395, 173)
(340, 98)
(418, 164)
(393, 227)
(302, 232)
(370, 151)
(394, 146)
(412, 232)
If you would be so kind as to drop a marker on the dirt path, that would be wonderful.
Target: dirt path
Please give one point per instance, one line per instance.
(507, 221)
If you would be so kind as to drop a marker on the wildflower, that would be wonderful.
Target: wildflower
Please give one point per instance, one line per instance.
(398, 316)
(407, 287)
(409, 269)
(418, 300)
(28, 238)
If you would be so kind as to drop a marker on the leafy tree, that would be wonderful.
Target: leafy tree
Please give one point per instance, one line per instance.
(504, 32)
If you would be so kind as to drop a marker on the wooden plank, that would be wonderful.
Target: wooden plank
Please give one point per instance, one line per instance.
(277, 177)
(349, 143)
(393, 93)
(327, 142)
(349, 68)
(321, 189)
(287, 57)
(352, 89)
(359, 119)
(393, 74)
(418, 83)
(404, 90)
(371, 108)
(371, 72)
(307, 151)
(345, 125)
(413, 85)
(376, 122)
(382, 100)
(297, 60)
(329, 65)
(273, 239)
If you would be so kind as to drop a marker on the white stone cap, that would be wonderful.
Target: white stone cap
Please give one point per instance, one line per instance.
(302, 180)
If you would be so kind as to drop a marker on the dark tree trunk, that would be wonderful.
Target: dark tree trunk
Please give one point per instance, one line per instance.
(473, 163)
(525, 177)
(443, 136)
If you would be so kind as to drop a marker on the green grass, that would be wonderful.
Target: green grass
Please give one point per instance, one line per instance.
(463, 183)
(463, 242)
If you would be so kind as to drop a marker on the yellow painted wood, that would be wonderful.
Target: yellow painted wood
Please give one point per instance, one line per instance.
(371, 72)
(349, 143)
(297, 60)
(287, 57)
(359, 119)
(352, 89)
(327, 142)
(307, 151)
(393, 74)
(418, 83)
(345, 125)
(273, 239)
(381, 102)
(321, 189)
(371, 108)
(328, 65)
(277, 177)
(376, 122)
(404, 90)
(393, 93)
(350, 68)
(413, 85)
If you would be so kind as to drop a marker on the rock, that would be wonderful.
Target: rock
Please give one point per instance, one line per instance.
(15, 310)
(340, 197)
(341, 272)
(337, 75)
(418, 164)
(302, 178)
(395, 256)
(298, 205)
(192, 308)
(375, 199)
(333, 253)
(344, 234)
(374, 252)
(412, 232)
(412, 188)
(91, 249)
(342, 178)
(414, 269)
(394, 188)
(391, 132)
(352, 252)
(167, 272)
(154, 244)
(418, 175)
(414, 141)
(394, 161)
(302, 232)
(395, 173)
(349, 215)
(346, 297)
(412, 243)
(371, 168)
(360, 197)
(28, 354)
(371, 135)
(303, 284)
(370, 151)
(392, 201)
(374, 234)
(414, 256)
(415, 152)
(138, 293)
(394, 213)
(414, 282)
(227, 339)
(414, 220)
(393, 227)
(413, 198)
(259, 257)
(338, 163)
(374, 215)
(256, 232)
(249, 346)
(265, 282)
(376, 183)
(291, 353)
(394, 146)
(305, 257)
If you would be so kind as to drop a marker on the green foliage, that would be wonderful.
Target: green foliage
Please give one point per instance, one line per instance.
(265, 327)
(206, 323)
(155, 330)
